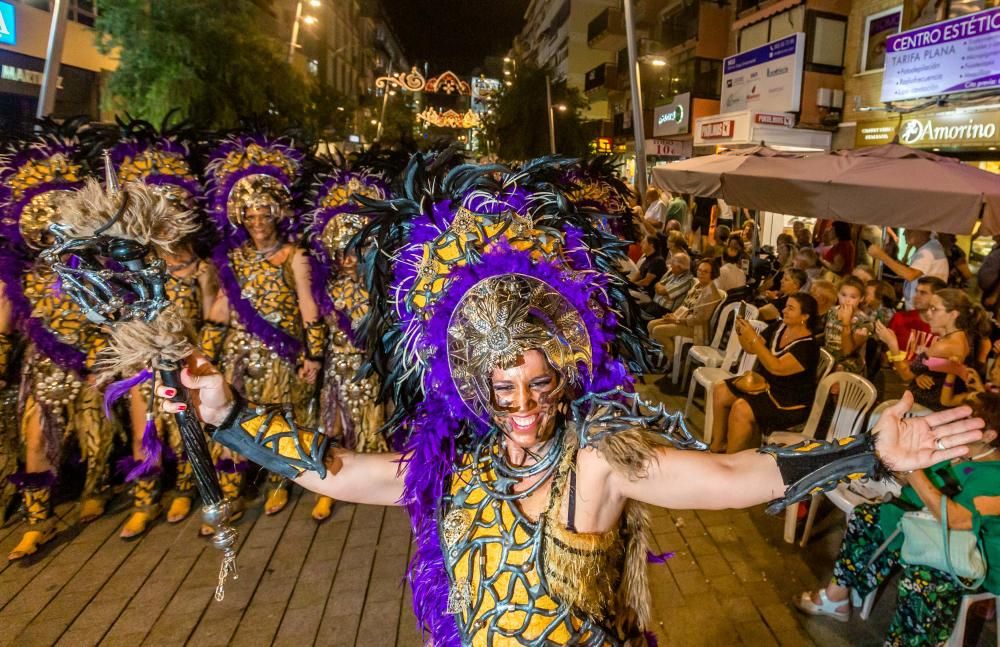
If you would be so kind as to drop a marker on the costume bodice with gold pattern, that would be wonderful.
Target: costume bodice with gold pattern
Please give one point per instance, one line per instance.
(56, 309)
(186, 297)
(269, 287)
(506, 587)
(350, 299)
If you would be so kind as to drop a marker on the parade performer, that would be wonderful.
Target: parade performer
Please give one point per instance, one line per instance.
(350, 410)
(58, 397)
(10, 350)
(160, 161)
(264, 328)
(527, 462)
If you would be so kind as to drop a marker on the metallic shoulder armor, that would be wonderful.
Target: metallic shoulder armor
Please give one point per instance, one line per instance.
(600, 416)
(268, 436)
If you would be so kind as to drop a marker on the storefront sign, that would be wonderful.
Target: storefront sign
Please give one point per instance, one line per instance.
(717, 129)
(957, 55)
(601, 145)
(8, 24)
(484, 91)
(944, 130)
(774, 119)
(673, 118)
(767, 78)
(664, 148)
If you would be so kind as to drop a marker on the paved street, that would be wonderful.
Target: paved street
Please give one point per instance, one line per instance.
(339, 583)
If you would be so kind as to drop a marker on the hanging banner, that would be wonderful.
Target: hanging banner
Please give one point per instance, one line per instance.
(957, 55)
(767, 78)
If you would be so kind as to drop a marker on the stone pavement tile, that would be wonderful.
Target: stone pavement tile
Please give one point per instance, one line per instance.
(747, 572)
(755, 634)
(739, 609)
(682, 562)
(379, 622)
(762, 593)
(129, 640)
(714, 517)
(726, 585)
(692, 582)
(713, 566)
(724, 533)
(703, 546)
(793, 638)
(80, 637)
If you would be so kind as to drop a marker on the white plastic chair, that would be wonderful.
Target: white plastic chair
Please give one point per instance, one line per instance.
(825, 364)
(855, 398)
(713, 355)
(708, 376)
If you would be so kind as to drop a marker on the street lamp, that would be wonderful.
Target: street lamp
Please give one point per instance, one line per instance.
(299, 18)
(552, 113)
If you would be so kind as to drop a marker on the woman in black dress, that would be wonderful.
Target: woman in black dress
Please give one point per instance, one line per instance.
(779, 390)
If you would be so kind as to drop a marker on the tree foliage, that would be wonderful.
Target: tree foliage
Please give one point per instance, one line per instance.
(211, 59)
(518, 127)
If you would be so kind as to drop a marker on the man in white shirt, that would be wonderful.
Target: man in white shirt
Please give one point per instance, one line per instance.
(928, 260)
(656, 212)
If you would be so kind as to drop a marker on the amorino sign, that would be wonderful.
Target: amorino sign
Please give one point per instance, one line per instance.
(954, 129)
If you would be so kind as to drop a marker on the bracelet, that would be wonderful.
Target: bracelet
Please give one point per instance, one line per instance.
(898, 356)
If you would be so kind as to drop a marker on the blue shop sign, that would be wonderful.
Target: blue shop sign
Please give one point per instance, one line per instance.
(8, 28)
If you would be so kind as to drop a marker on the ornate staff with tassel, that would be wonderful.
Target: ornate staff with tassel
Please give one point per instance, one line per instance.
(103, 256)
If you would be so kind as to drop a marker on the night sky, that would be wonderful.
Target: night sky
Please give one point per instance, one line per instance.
(455, 34)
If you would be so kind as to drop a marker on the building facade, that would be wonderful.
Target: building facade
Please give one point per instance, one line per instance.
(24, 33)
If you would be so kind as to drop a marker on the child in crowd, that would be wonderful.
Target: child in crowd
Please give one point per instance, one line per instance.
(880, 301)
(848, 327)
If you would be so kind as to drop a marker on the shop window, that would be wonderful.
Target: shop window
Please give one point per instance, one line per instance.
(878, 27)
(825, 35)
(784, 24)
(754, 35)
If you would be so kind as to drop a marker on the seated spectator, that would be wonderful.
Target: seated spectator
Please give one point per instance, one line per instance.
(950, 315)
(670, 290)
(848, 328)
(655, 214)
(803, 238)
(731, 274)
(825, 293)
(826, 243)
(959, 273)
(928, 260)
(717, 248)
(928, 602)
(793, 280)
(839, 258)
(779, 390)
(988, 277)
(747, 233)
(672, 226)
(864, 272)
(651, 268)
(677, 209)
(807, 260)
(691, 318)
(880, 300)
(676, 243)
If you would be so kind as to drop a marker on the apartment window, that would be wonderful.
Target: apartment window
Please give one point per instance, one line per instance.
(878, 27)
(944, 9)
(783, 24)
(825, 36)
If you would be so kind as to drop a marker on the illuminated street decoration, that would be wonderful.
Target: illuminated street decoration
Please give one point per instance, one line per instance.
(414, 81)
(449, 118)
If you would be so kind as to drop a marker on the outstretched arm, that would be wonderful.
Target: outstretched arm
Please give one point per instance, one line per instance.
(375, 479)
(695, 480)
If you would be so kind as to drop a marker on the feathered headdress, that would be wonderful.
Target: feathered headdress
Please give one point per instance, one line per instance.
(251, 171)
(467, 272)
(158, 157)
(596, 186)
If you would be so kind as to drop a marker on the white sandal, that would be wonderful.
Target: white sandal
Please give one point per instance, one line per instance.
(827, 607)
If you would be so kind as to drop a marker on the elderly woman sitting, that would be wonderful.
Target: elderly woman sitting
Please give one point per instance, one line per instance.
(691, 318)
(777, 393)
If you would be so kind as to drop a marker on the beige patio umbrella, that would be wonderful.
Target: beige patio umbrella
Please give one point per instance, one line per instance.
(703, 176)
(889, 186)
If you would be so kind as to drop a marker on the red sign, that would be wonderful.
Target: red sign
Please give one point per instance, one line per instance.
(717, 129)
(773, 119)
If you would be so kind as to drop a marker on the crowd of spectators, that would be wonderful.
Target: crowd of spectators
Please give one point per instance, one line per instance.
(925, 324)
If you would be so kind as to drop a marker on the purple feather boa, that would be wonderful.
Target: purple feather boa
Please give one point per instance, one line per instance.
(66, 357)
(132, 470)
(24, 480)
(659, 558)
(116, 390)
(280, 342)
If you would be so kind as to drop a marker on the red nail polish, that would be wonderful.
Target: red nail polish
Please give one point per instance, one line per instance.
(182, 407)
(169, 392)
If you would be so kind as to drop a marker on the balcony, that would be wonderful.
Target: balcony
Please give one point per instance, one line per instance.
(607, 30)
(679, 27)
(604, 77)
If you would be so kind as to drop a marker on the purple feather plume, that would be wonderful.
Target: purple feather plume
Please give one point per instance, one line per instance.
(24, 480)
(116, 390)
(658, 558)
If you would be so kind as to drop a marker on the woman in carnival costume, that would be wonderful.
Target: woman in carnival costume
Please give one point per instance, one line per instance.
(58, 397)
(161, 161)
(527, 463)
(350, 410)
(264, 328)
(11, 347)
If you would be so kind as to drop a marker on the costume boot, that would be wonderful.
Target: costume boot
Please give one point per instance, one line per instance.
(231, 482)
(36, 488)
(277, 494)
(180, 507)
(146, 503)
(323, 508)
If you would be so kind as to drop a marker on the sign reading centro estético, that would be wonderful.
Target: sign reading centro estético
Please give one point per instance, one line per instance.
(767, 78)
(8, 26)
(673, 118)
(957, 55)
(934, 130)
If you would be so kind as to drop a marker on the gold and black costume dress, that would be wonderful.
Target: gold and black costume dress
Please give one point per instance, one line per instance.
(246, 361)
(66, 405)
(350, 408)
(10, 347)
